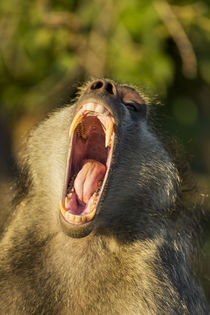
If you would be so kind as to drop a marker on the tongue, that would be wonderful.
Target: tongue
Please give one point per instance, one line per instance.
(88, 178)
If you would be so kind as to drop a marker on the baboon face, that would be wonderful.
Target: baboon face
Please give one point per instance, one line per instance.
(116, 168)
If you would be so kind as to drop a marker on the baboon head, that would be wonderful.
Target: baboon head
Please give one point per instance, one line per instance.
(118, 175)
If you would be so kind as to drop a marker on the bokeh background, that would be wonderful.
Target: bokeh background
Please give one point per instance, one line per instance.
(49, 47)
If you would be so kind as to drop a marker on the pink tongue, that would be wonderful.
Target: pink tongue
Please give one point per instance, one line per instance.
(87, 179)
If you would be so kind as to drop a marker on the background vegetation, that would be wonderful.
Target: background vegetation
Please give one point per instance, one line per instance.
(49, 47)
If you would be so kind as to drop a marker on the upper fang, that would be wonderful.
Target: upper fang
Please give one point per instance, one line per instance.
(75, 122)
(109, 131)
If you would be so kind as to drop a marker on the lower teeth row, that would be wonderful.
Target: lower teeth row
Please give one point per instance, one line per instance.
(72, 218)
(79, 218)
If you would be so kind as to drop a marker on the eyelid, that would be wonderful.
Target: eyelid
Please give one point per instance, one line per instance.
(131, 103)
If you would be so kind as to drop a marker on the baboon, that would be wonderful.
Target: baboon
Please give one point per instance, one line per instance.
(99, 225)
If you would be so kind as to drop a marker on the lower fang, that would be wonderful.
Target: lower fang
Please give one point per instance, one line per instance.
(91, 215)
(66, 202)
(63, 210)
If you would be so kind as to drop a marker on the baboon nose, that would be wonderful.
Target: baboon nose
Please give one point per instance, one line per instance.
(103, 86)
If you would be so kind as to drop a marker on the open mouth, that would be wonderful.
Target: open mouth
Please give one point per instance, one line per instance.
(91, 145)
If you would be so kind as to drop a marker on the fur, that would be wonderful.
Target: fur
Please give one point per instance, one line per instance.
(136, 259)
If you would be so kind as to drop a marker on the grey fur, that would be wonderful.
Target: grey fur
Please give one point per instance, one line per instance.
(136, 259)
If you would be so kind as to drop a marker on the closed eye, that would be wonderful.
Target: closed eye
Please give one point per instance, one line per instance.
(131, 105)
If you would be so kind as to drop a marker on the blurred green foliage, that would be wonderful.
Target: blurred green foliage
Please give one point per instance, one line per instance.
(47, 45)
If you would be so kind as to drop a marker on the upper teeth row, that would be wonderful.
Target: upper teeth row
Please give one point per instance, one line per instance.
(99, 109)
(95, 108)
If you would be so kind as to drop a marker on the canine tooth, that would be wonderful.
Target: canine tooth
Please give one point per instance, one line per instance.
(66, 202)
(69, 195)
(109, 130)
(91, 215)
(62, 208)
(75, 122)
(90, 107)
(100, 109)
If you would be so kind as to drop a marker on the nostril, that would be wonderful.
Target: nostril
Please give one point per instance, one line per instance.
(96, 85)
(103, 86)
(109, 87)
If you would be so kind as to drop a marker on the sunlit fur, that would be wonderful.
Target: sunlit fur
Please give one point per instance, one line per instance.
(135, 260)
